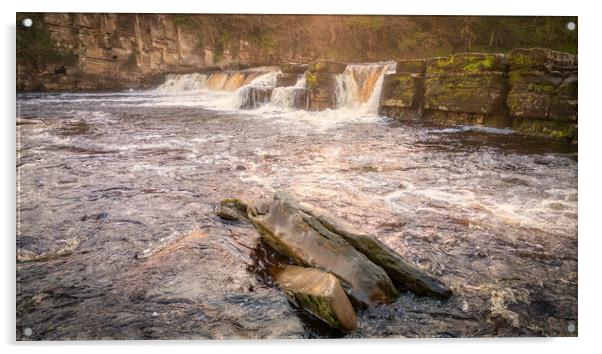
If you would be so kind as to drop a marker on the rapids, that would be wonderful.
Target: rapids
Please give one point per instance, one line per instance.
(121, 179)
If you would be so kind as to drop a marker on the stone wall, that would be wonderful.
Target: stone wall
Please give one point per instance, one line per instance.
(533, 91)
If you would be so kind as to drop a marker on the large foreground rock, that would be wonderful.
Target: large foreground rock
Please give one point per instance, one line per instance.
(302, 237)
(320, 293)
(402, 273)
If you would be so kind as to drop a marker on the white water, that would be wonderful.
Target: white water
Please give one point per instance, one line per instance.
(176, 83)
(357, 90)
(360, 85)
(284, 97)
(358, 93)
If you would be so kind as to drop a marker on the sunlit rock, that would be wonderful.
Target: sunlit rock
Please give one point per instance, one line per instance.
(403, 274)
(320, 293)
(302, 237)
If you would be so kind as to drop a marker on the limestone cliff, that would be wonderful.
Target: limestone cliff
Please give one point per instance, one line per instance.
(116, 51)
(92, 51)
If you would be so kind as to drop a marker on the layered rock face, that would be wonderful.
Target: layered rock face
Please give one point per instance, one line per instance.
(531, 90)
(320, 79)
(543, 92)
(119, 51)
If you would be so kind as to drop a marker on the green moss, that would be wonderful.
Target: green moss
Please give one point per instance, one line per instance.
(186, 21)
(311, 79)
(548, 129)
(320, 307)
(542, 88)
(521, 59)
(475, 65)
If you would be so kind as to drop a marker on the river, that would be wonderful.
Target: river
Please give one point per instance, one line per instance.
(109, 185)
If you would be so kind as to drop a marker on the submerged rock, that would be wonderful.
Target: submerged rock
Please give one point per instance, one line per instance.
(320, 293)
(302, 237)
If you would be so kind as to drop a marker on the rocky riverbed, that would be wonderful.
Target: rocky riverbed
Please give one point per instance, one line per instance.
(118, 236)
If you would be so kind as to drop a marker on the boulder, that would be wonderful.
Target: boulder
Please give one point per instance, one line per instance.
(294, 68)
(286, 79)
(293, 232)
(320, 293)
(403, 274)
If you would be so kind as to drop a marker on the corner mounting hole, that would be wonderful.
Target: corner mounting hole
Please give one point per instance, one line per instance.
(571, 26)
(27, 22)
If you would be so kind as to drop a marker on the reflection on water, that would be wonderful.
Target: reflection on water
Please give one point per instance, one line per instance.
(127, 176)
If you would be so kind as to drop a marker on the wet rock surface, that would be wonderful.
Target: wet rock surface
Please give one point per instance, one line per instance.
(300, 236)
(533, 91)
(319, 292)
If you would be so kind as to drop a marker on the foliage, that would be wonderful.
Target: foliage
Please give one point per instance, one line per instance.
(36, 47)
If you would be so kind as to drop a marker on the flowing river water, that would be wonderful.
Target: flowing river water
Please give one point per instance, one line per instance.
(117, 235)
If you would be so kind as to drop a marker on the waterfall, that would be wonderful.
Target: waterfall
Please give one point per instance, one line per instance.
(358, 88)
(360, 85)
(217, 81)
(257, 92)
(176, 83)
(290, 97)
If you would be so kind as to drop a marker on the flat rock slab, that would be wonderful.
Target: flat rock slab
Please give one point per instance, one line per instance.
(320, 293)
(303, 238)
(400, 271)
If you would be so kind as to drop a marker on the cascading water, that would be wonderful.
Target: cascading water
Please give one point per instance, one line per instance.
(360, 86)
(175, 83)
(290, 97)
(357, 88)
(257, 92)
